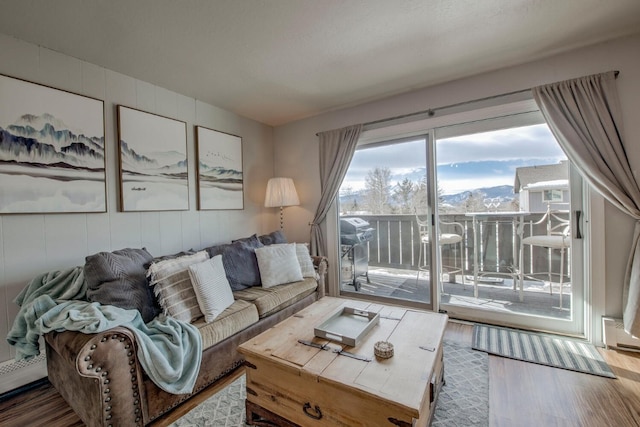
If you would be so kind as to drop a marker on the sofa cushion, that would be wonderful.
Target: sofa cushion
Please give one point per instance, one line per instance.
(172, 256)
(305, 261)
(173, 286)
(278, 264)
(119, 278)
(273, 238)
(236, 317)
(211, 287)
(251, 240)
(270, 300)
(240, 262)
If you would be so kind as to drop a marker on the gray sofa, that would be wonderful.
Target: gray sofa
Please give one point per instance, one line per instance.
(101, 378)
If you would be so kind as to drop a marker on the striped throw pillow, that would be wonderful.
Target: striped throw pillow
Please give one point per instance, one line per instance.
(211, 286)
(173, 286)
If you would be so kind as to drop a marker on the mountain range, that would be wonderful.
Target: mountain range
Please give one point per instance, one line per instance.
(46, 140)
(503, 193)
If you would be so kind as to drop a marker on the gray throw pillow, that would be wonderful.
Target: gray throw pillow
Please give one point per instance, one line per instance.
(240, 262)
(120, 278)
(272, 238)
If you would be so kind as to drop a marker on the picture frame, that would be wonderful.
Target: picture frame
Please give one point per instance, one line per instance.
(152, 161)
(220, 175)
(52, 150)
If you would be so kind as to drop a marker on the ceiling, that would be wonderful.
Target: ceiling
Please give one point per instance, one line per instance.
(281, 60)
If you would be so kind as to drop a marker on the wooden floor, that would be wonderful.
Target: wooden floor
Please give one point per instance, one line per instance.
(520, 394)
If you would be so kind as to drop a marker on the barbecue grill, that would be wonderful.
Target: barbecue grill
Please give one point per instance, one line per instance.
(354, 235)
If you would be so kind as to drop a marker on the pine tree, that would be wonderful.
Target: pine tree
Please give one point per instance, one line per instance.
(403, 195)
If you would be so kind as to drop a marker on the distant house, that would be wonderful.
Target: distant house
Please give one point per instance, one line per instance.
(542, 184)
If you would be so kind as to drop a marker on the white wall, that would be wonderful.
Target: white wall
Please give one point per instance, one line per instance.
(296, 150)
(33, 244)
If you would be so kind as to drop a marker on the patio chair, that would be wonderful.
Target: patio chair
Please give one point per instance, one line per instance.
(443, 239)
(556, 238)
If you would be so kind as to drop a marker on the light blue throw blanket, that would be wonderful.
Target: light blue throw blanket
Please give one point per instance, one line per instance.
(170, 351)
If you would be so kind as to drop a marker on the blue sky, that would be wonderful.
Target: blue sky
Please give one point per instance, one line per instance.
(467, 162)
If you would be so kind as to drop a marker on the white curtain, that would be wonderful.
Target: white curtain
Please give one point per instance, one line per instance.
(336, 151)
(584, 115)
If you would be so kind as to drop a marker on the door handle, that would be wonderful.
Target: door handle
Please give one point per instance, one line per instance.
(578, 224)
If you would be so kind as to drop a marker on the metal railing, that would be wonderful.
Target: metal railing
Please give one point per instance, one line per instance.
(396, 240)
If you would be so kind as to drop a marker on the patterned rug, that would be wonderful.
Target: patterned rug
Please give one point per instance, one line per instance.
(463, 401)
(543, 349)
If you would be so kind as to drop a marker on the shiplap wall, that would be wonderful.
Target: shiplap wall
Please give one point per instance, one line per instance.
(33, 244)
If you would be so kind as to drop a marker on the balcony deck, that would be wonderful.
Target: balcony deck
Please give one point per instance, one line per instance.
(393, 253)
(497, 296)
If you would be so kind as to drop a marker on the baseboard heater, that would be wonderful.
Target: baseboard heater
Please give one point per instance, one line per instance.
(614, 335)
(17, 374)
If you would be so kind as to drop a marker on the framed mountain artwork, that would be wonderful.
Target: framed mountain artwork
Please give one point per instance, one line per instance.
(51, 150)
(153, 162)
(220, 184)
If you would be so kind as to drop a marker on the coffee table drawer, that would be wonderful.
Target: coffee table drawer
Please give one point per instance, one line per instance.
(282, 390)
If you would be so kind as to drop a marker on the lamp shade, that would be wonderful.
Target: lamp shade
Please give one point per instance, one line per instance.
(281, 192)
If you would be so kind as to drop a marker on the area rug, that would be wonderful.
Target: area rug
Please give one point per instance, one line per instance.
(463, 401)
(543, 349)
(223, 409)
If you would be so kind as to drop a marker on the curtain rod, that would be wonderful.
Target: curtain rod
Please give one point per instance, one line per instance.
(431, 111)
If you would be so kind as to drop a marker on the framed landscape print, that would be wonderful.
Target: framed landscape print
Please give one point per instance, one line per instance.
(51, 150)
(220, 184)
(153, 161)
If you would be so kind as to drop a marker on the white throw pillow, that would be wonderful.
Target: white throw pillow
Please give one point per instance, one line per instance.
(211, 286)
(173, 286)
(278, 264)
(305, 261)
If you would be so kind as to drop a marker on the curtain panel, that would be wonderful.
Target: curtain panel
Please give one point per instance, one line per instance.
(336, 151)
(584, 116)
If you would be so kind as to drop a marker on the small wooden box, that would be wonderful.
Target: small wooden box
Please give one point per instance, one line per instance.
(347, 326)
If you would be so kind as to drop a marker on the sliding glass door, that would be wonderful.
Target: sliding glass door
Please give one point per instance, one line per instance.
(511, 187)
(481, 220)
(384, 223)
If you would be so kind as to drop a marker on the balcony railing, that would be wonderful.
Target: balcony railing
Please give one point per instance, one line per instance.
(396, 244)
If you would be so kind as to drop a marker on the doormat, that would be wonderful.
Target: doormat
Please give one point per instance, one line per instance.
(543, 349)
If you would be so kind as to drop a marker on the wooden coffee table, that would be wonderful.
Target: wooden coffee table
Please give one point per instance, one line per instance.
(293, 384)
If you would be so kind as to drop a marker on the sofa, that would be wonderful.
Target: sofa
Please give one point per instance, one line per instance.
(100, 375)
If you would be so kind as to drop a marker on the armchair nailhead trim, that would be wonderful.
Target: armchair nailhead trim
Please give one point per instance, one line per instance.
(108, 415)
